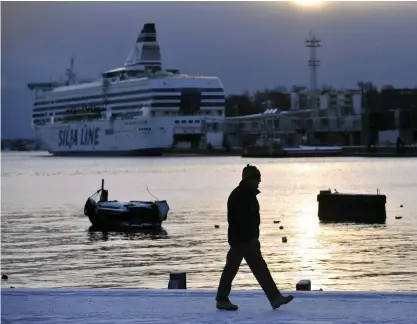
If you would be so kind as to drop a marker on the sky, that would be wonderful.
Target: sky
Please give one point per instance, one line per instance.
(249, 45)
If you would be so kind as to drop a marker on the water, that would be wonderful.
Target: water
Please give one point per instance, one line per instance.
(46, 242)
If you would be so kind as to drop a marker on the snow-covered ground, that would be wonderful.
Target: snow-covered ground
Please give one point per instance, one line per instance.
(56, 306)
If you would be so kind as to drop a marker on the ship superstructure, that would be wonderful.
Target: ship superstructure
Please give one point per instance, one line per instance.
(140, 108)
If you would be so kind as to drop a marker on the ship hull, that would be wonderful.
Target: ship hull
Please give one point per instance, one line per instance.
(142, 152)
(141, 137)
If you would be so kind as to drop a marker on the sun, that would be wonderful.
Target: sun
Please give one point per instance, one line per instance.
(308, 3)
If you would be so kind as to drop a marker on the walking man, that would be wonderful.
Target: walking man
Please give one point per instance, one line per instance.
(243, 237)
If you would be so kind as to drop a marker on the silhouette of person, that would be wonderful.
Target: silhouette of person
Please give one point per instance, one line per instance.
(243, 237)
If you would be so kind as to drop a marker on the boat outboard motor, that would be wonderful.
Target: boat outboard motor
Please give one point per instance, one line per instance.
(89, 207)
(104, 196)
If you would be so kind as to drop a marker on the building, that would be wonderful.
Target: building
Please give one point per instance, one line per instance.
(336, 121)
(390, 114)
(342, 117)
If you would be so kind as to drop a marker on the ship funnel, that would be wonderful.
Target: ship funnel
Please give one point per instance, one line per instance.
(146, 52)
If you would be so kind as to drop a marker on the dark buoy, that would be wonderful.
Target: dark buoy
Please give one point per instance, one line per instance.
(4, 277)
(304, 285)
(177, 280)
(357, 208)
(276, 222)
(281, 227)
(284, 239)
(398, 217)
(216, 226)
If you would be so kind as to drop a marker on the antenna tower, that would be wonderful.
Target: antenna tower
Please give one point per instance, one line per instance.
(312, 42)
(70, 71)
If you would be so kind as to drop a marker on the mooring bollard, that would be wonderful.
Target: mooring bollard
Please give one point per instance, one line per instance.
(177, 280)
(303, 285)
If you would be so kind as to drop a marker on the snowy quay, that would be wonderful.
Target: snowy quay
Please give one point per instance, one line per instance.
(55, 306)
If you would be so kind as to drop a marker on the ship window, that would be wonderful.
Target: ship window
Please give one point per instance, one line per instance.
(197, 121)
(190, 101)
(177, 122)
(110, 74)
(190, 121)
(152, 69)
(133, 73)
(183, 121)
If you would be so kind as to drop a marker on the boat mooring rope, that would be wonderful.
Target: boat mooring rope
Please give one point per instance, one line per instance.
(157, 199)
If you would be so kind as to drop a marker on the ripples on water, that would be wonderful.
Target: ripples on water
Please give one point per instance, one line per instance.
(46, 240)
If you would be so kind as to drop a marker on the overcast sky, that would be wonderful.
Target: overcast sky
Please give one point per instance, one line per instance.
(249, 45)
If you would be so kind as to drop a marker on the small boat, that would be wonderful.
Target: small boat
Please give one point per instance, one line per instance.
(129, 215)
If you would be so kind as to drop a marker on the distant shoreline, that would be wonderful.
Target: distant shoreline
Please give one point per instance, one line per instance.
(21, 144)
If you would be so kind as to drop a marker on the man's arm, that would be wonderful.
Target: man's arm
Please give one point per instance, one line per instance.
(238, 216)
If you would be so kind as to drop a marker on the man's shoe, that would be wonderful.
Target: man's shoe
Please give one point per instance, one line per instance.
(226, 305)
(281, 300)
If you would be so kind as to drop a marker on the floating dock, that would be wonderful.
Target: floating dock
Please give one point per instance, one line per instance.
(349, 207)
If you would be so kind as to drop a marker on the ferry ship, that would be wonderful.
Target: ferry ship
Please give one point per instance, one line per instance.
(140, 108)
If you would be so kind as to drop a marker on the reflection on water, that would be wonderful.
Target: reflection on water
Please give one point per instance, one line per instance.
(142, 234)
(47, 241)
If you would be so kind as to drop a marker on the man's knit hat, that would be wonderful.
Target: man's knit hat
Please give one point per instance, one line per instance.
(250, 171)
